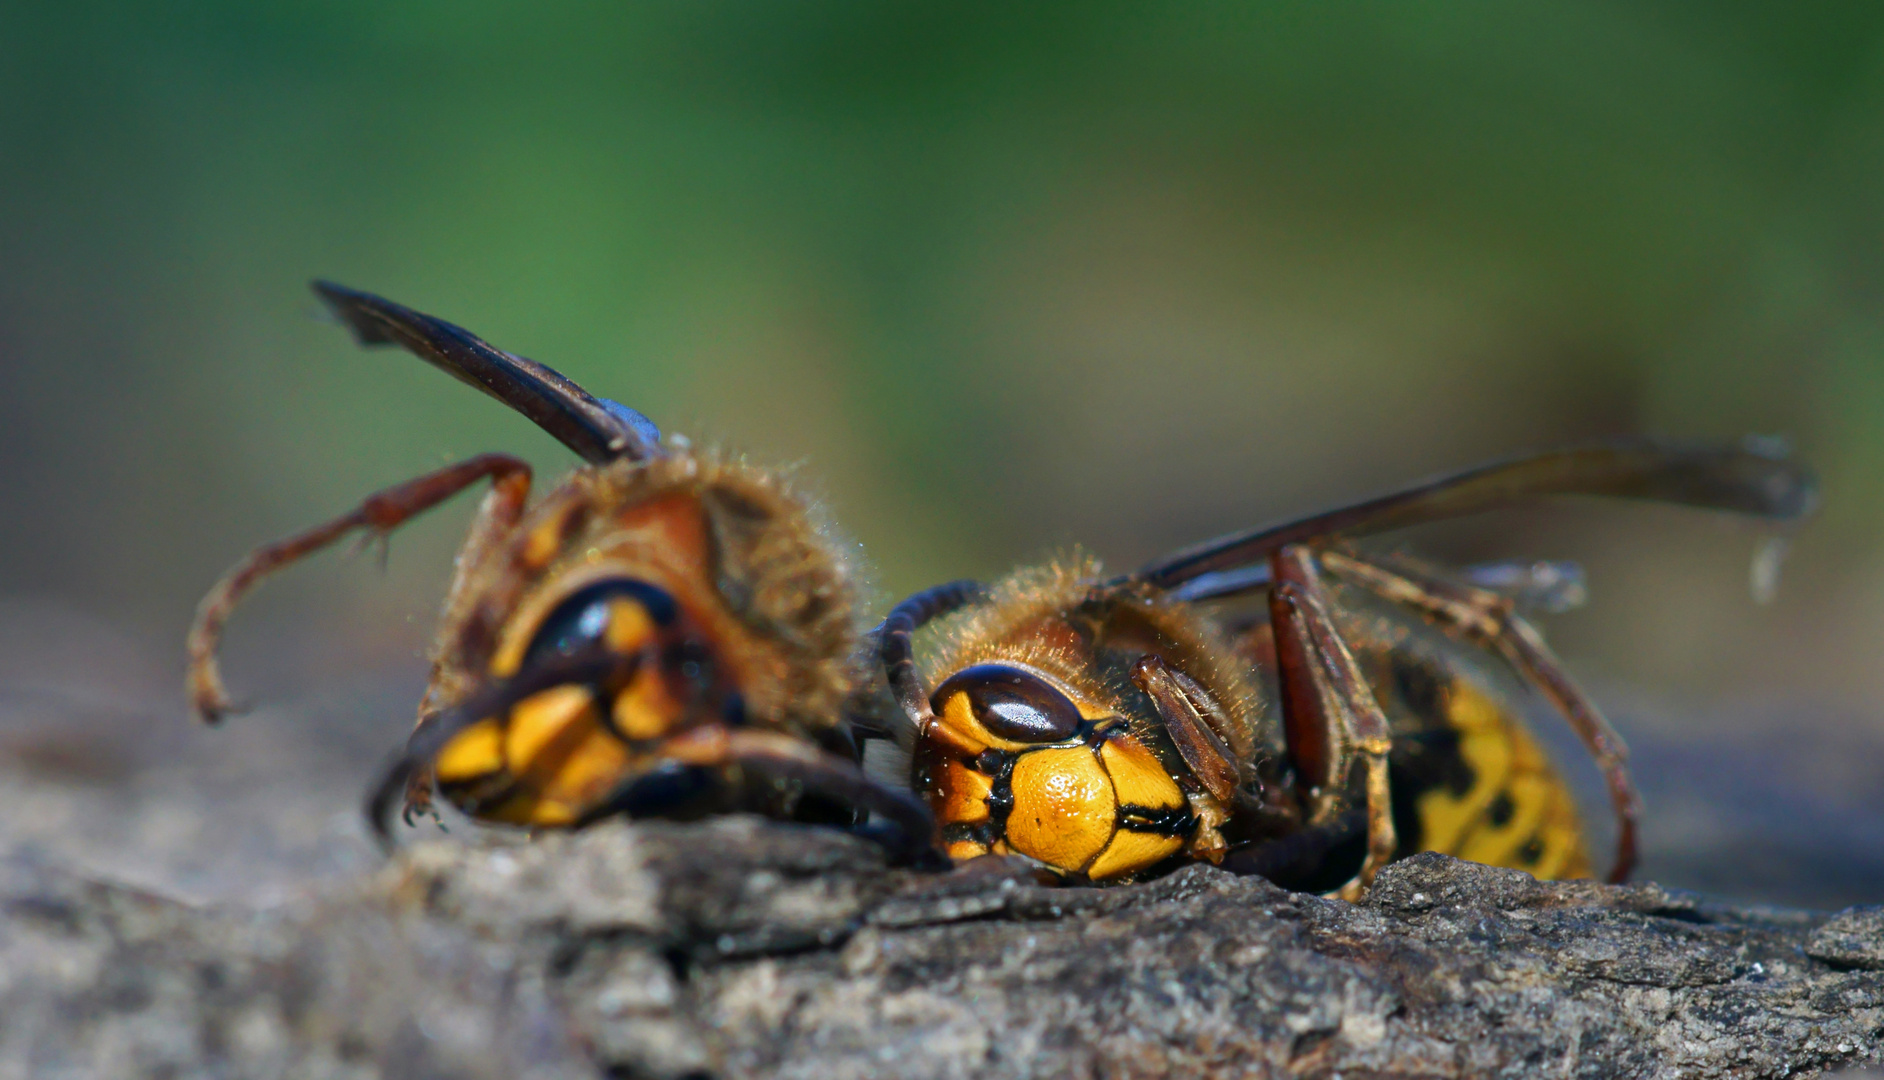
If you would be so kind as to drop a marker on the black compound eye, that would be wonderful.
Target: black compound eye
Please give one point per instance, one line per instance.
(1012, 703)
(583, 618)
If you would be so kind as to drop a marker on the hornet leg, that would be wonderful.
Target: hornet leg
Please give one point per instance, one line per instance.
(1329, 712)
(1490, 619)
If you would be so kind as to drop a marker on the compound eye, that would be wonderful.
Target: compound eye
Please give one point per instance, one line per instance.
(1012, 703)
(620, 614)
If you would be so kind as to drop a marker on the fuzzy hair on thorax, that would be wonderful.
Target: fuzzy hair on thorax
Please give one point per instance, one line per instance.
(767, 561)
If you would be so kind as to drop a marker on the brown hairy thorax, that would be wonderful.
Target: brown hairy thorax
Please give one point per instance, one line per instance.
(1060, 620)
(737, 546)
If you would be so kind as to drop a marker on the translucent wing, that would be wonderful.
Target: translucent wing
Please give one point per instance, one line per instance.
(1751, 479)
(596, 429)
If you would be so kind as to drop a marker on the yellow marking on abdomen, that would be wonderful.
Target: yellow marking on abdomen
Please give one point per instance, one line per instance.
(1480, 725)
(1498, 845)
(1543, 835)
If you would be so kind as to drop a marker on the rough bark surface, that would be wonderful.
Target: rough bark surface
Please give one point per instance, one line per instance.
(738, 948)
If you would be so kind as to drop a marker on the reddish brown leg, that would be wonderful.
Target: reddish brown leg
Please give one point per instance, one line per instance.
(1196, 722)
(1329, 707)
(1490, 619)
(379, 514)
(1188, 711)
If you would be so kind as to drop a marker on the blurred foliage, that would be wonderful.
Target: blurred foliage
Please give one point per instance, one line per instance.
(1000, 277)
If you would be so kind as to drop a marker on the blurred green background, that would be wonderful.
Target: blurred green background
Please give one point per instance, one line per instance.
(998, 280)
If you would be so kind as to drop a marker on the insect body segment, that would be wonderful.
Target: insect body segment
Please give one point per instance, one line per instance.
(1516, 811)
(1468, 778)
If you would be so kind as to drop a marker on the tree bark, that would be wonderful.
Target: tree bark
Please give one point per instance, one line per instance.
(739, 948)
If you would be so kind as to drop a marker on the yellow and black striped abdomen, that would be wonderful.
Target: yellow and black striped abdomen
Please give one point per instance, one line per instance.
(1469, 779)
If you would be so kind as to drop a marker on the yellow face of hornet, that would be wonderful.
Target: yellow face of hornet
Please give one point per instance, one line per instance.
(1043, 745)
(723, 604)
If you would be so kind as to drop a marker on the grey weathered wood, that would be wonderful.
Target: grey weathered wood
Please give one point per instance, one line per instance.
(737, 948)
